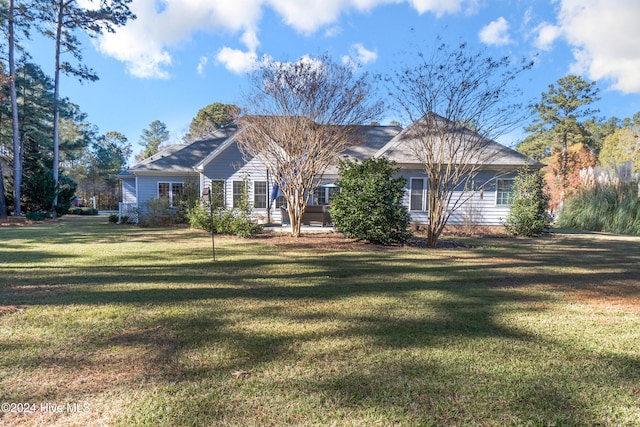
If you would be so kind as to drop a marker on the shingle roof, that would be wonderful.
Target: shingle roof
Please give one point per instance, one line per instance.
(492, 153)
(391, 142)
(370, 140)
(183, 158)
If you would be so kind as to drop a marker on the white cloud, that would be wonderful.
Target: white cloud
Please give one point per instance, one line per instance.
(546, 35)
(443, 7)
(236, 60)
(496, 33)
(333, 31)
(359, 55)
(202, 64)
(145, 44)
(605, 40)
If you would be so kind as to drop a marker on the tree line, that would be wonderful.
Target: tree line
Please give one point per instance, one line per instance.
(568, 136)
(35, 121)
(454, 100)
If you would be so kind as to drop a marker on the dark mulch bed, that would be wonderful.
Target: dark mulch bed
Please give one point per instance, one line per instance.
(337, 242)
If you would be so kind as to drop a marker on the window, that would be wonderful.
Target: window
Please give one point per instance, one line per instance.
(163, 190)
(260, 194)
(320, 196)
(239, 191)
(504, 191)
(417, 194)
(324, 194)
(171, 191)
(281, 202)
(331, 193)
(217, 193)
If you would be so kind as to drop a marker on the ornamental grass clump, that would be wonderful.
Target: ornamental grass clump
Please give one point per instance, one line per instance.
(608, 201)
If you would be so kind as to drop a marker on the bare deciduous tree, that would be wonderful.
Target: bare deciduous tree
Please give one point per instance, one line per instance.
(298, 119)
(458, 102)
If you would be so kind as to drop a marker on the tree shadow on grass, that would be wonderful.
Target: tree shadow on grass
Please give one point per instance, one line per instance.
(411, 331)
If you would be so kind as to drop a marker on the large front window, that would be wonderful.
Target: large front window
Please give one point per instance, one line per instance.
(171, 191)
(417, 194)
(504, 191)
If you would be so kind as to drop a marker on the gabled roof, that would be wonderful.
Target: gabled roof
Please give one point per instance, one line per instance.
(218, 150)
(399, 149)
(370, 139)
(391, 142)
(373, 139)
(183, 158)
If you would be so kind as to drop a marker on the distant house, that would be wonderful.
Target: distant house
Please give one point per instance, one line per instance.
(218, 164)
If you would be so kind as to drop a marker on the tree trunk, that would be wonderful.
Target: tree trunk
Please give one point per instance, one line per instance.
(56, 108)
(17, 146)
(435, 226)
(3, 202)
(296, 210)
(564, 166)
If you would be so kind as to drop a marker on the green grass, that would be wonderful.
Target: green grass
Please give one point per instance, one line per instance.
(142, 327)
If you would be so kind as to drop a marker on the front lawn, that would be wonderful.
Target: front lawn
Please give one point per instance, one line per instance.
(103, 324)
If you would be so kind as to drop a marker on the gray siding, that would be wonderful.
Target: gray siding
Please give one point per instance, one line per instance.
(129, 190)
(480, 209)
(225, 164)
(148, 186)
(229, 166)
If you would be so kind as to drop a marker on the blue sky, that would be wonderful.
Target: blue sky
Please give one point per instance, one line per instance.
(181, 55)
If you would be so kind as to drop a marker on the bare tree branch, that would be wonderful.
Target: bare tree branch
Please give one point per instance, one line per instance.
(458, 102)
(299, 117)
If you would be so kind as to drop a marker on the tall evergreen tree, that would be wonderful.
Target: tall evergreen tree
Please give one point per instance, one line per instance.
(16, 17)
(4, 79)
(152, 138)
(68, 18)
(560, 111)
(208, 119)
(35, 95)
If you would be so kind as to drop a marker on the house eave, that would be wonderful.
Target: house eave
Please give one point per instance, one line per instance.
(163, 173)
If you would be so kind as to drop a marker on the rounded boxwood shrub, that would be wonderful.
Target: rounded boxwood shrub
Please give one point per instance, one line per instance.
(369, 204)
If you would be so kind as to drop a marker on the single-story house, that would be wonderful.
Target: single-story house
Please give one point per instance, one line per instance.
(218, 164)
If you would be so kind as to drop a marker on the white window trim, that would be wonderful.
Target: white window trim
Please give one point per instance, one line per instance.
(222, 183)
(265, 194)
(171, 183)
(423, 208)
(496, 195)
(233, 193)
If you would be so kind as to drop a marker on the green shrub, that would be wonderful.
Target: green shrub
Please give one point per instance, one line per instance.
(199, 216)
(235, 221)
(66, 194)
(113, 218)
(369, 206)
(82, 211)
(37, 215)
(528, 214)
(39, 192)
